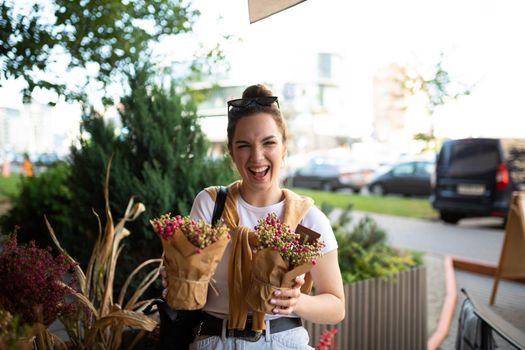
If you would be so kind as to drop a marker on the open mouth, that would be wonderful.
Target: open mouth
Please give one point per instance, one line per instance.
(259, 172)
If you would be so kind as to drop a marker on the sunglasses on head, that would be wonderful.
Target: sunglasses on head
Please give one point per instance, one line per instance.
(245, 102)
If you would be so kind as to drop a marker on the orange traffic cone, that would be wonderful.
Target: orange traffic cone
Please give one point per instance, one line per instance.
(28, 168)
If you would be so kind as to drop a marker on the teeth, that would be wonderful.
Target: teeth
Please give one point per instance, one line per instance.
(259, 170)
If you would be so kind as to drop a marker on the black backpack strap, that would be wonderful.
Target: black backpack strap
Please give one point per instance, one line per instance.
(222, 192)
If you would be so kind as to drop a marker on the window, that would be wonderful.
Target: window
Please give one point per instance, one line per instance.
(308, 170)
(325, 170)
(473, 158)
(325, 66)
(403, 169)
(424, 168)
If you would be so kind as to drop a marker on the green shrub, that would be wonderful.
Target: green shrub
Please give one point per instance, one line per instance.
(363, 252)
(45, 194)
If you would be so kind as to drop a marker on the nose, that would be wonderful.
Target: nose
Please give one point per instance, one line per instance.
(257, 153)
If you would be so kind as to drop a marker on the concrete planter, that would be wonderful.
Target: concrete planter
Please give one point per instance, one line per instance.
(382, 314)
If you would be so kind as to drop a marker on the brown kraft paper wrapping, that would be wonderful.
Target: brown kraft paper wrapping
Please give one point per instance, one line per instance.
(189, 272)
(269, 273)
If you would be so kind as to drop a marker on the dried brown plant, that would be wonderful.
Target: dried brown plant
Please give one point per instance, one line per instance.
(100, 320)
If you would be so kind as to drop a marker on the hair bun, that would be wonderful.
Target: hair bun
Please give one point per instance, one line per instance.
(258, 90)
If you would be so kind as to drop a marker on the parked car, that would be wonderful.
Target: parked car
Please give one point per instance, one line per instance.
(46, 159)
(475, 177)
(330, 175)
(406, 178)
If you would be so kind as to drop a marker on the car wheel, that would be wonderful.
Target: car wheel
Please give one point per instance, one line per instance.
(449, 218)
(327, 187)
(377, 190)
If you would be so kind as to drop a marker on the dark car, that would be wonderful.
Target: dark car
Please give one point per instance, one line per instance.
(475, 177)
(329, 175)
(406, 178)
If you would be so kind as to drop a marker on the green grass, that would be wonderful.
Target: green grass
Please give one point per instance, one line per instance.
(391, 205)
(419, 208)
(9, 186)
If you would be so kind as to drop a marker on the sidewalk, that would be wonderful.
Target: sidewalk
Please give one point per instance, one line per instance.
(510, 303)
(436, 290)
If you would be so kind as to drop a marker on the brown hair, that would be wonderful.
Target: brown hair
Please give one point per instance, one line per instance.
(235, 114)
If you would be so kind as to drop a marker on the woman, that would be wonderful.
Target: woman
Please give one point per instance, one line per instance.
(257, 137)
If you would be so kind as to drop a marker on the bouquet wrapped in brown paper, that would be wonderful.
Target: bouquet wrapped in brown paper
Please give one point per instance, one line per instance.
(192, 251)
(279, 257)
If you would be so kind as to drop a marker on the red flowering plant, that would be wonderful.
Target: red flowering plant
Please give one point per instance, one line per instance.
(280, 255)
(192, 251)
(34, 282)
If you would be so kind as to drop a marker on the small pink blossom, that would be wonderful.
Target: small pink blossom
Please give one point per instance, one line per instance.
(273, 234)
(200, 234)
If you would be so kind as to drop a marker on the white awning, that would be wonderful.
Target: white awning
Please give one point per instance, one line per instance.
(260, 9)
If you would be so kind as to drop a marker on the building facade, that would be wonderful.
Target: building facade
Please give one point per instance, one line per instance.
(311, 103)
(38, 128)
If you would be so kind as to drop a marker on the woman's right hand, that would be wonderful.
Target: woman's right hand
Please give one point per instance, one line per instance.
(164, 281)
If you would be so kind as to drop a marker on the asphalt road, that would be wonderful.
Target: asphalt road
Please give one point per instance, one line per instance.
(476, 239)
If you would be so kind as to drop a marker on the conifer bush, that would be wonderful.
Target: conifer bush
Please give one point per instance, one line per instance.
(161, 157)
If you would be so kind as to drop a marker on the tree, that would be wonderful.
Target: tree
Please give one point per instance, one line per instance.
(437, 86)
(108, 37)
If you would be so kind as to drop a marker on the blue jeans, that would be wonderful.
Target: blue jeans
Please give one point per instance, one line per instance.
(295, 338)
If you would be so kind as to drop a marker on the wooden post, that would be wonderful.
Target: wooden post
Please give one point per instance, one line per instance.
(512, 258)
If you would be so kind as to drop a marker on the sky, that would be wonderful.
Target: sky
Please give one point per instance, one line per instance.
(482, 41)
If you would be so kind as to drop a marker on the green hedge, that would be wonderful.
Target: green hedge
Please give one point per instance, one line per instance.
(363, 250)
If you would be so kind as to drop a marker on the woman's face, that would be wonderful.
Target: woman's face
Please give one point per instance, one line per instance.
(258, 151)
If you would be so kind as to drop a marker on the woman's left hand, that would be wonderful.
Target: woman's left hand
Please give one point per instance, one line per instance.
(285, 300)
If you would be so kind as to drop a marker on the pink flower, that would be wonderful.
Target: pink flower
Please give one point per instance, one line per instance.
(273, 234)
(200, 234)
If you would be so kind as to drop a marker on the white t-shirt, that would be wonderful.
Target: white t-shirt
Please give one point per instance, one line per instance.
(249, 215)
